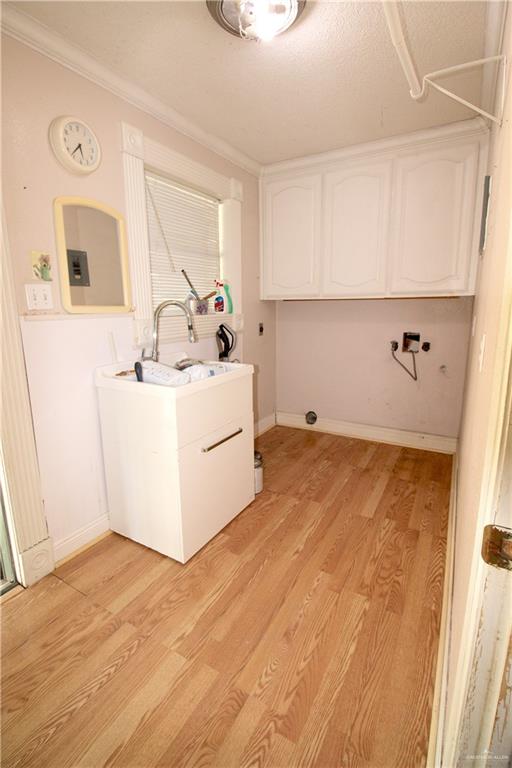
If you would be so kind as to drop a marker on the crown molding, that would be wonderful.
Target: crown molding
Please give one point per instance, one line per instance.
(41, 39)
(475, 127)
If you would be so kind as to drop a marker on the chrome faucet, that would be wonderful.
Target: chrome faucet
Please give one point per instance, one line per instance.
(156, 316)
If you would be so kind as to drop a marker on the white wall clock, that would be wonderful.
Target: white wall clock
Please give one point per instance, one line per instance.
(75, 144)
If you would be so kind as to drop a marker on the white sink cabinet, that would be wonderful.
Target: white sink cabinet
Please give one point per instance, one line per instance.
(179, 462)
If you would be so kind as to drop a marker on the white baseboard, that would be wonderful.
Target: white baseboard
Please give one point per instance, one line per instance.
(80, 538)
(401, 437)
(263, 425)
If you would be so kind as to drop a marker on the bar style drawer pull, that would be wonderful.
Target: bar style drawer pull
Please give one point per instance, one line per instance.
(224, 440)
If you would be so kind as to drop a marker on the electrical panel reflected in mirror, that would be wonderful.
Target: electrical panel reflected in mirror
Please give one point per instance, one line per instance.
(92, 256)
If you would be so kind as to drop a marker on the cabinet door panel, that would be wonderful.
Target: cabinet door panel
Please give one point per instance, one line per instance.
(291, 244)
(434, 211)
(357, 204)
(216, 481)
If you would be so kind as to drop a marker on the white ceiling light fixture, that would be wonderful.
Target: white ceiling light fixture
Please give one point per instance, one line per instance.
(255, 19)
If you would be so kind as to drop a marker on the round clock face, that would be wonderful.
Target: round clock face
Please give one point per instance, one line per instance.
(75, 144)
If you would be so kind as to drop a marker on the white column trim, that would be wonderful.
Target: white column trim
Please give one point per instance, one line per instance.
(36, 562)
(138, 250)
(132, 140)
(230, 219)
(139, 153)
(33, 550)
(236, 190)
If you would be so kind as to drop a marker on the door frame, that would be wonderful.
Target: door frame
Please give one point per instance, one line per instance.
(445, 741)
(495, 617)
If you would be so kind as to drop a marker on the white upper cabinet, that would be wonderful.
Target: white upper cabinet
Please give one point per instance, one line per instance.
(356, 221)
(399, 217)
(433, 216)
(292, 236)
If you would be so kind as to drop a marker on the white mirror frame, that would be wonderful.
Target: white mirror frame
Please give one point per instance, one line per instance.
(60, 233)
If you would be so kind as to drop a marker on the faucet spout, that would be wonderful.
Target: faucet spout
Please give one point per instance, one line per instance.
(192, 337)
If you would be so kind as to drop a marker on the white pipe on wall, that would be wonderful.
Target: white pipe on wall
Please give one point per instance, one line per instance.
(394, 21)
(418, 91)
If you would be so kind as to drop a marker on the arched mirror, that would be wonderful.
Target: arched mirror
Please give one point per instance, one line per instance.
(91, 243)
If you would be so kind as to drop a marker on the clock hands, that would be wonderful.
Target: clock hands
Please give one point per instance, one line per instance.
(78, 146)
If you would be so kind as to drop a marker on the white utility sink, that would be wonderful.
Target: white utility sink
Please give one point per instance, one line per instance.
(179, 461)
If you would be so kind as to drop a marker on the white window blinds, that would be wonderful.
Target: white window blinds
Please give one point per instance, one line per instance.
(183, 230)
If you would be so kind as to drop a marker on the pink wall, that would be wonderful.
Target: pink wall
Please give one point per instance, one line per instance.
(333, 357)
(61, 353)
(35, 90)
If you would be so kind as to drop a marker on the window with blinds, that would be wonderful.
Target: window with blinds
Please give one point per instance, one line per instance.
(183, 230)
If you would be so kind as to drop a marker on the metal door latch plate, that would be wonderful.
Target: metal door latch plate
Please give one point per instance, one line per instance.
(497, 546)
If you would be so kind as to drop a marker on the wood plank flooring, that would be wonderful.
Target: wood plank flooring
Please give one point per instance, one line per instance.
(304, 635)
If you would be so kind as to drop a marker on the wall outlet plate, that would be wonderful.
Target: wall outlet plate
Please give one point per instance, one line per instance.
(411, 342)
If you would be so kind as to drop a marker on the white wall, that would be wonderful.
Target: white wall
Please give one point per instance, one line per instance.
(333, 357)
(61, 354)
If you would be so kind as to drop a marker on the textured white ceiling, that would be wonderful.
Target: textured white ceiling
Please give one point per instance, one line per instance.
(331, 81)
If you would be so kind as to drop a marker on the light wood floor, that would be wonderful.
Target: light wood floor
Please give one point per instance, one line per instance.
(305, 634)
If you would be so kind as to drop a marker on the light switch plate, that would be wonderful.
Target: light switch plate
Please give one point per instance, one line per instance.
(237, 321)
(143, 333)
(39, 296)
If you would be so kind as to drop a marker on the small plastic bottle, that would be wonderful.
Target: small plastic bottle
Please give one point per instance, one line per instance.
(219, 302)
(229, 300)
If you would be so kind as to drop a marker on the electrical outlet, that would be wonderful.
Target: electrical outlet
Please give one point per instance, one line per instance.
(39, 296)
(411, 342)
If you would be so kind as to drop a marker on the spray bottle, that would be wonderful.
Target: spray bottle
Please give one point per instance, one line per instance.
(219, 302)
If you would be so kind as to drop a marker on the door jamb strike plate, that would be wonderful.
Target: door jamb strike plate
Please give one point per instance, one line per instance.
(497, 546)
